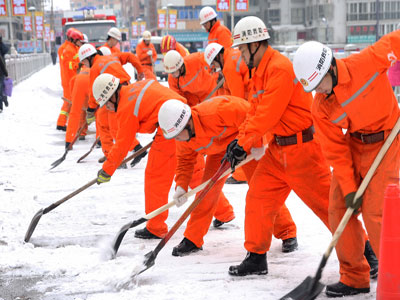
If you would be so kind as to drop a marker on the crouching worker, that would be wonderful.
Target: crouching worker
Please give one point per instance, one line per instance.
(207, 129)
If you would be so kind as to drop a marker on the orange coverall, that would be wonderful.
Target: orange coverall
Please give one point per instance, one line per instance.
(216, 123)
(70, 63)
(114, 50)
(220, 34)
(106, 120)
(279, 106)
(138, 112)
(363, 102)
(60, 61)
(146, 60)
(80, 96)
(197, 82)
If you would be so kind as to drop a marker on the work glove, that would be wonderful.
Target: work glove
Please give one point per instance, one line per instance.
(103, 177)
(258, 152)
(140, 76)
(137, 159)
(149, 53)
(90, 117)
(349, 198)
(178, 196)
(67, 144)
(234, 154)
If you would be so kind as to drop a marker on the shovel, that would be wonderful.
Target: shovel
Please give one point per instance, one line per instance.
(310, 288)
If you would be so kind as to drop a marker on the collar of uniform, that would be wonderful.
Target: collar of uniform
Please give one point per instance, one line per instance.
(342, 72)
(198, 129)
(264, 62)
(216, 25)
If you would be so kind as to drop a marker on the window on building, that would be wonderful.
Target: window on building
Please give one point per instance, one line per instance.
(297, 15)
(275, 16)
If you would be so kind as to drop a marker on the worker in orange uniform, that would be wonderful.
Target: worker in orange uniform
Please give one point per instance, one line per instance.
(168, 42)
(293, 159)
(60, 59)
(354, 94)
(70, 63)
(195, 135)
(113, 39)
(147, 55)
(107, 125)
(189, 76)
(80, 96)
(217, 33)
(137, 108)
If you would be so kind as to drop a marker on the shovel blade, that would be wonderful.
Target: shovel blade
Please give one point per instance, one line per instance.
(33, 224)
(148, 263)
(305, 290)
(58, 161)
(118, 240)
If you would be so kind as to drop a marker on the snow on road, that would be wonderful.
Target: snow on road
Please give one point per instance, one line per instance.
(65, 258)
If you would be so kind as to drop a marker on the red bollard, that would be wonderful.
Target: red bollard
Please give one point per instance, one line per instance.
(389, 259)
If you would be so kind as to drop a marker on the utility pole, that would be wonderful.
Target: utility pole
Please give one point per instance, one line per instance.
(232, 15)
(11, 32)
(377, 20)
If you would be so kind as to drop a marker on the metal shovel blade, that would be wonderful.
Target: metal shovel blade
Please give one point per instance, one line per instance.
(58, 161)
(305, 291)
(33, 224)
(124, 229)
(148, 263)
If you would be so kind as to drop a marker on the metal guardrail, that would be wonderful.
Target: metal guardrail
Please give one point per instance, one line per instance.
(22, 66)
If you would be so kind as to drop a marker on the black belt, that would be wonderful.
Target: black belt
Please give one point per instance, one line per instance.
(369, 138)
(307, 135)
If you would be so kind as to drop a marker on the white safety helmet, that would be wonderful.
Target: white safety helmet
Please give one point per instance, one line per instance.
(146, 35)
(114, 33)
(172, 61)
(85, 39)
(211, 52)
(105, 50)
(249, 30)
(206, 14)
(311, 62)
(104, 86)
(85, 51)
(173, 117)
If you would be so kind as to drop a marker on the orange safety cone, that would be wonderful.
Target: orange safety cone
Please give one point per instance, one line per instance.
(389, 258)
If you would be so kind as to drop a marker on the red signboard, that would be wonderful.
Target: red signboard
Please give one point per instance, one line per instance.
(223, 5)
(18, 7)
(3, 8)
(39, 24)
(27, 23)
(241, 5)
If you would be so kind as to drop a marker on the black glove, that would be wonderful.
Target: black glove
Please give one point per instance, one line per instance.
(349, 198)
(67, 144)
(137, 159)
(234, 154)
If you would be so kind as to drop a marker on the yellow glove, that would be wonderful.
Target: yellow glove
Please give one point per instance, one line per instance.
(103, 177)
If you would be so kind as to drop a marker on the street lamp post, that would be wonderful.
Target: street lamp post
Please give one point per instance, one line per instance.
(325, 21)
(11, 32)
(32, 9)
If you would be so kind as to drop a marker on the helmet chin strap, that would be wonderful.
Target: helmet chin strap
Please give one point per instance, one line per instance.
(250, 65)
(332, 73)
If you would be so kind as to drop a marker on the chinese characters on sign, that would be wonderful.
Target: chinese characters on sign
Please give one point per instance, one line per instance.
(172, 18)
(142, 26)
(39, 24)
(135, 29)
(27, 23)
(241, 5)
(3, 8)
(18, 7)
(47, 32)
(223, 5)
(161, 18)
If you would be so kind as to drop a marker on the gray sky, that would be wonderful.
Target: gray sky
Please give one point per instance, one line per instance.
(60, 4)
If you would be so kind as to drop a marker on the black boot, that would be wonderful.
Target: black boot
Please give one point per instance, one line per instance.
(340, 290)
(217, 223)
(289, 245)
(62, 128)
(145, 234)
(232, 180)
(372, 260)
(253, 264)
(185, 247)
(82, 138)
